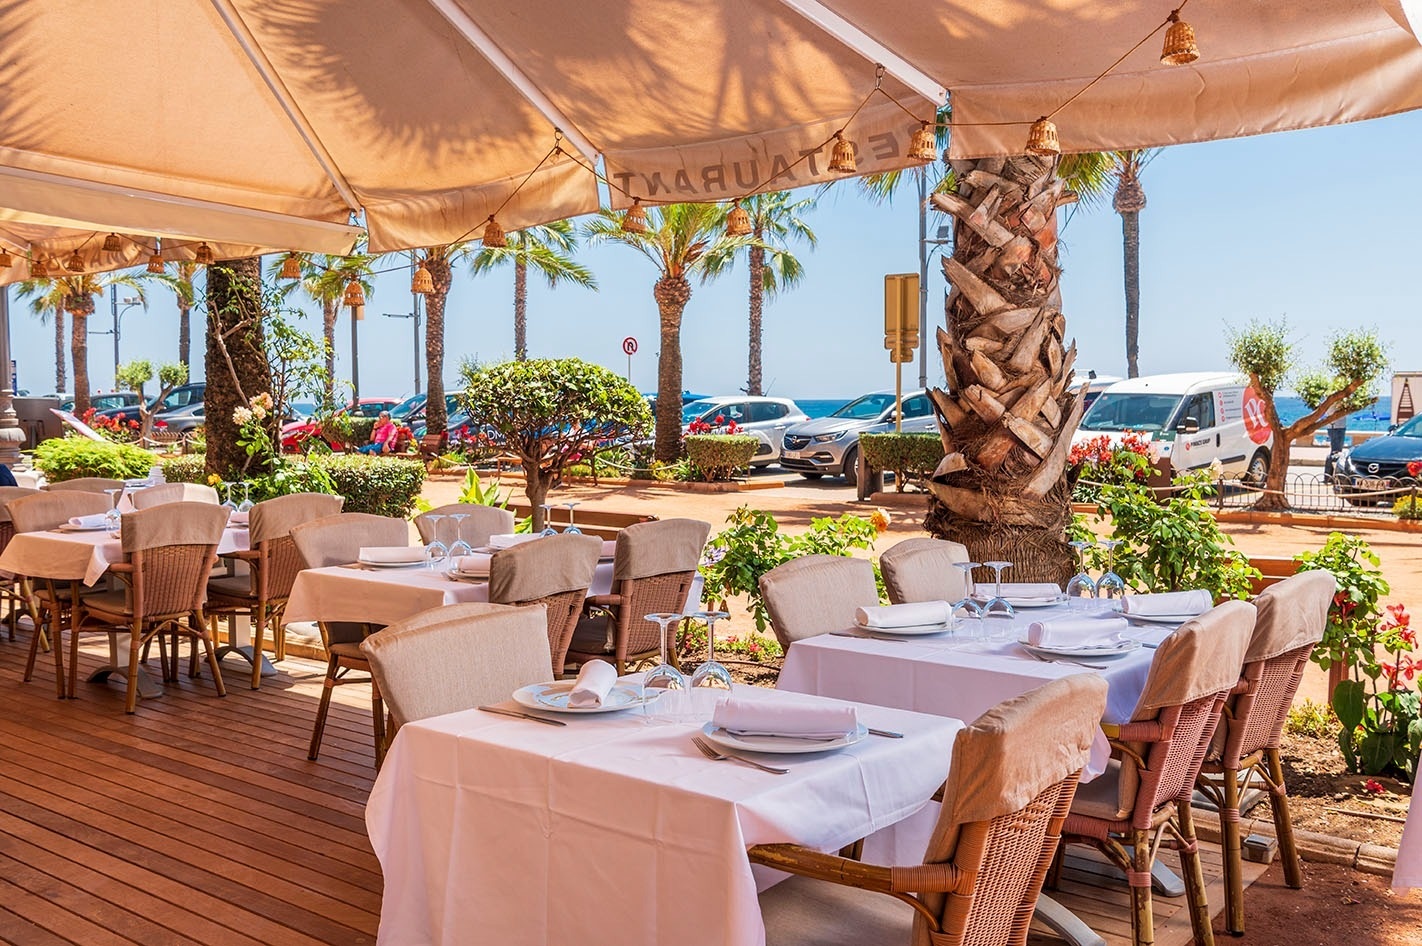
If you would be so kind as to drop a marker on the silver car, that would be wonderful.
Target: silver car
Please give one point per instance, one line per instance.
(829, 446)
(767, 418)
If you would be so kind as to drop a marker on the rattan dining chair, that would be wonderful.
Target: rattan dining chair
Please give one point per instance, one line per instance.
(337, 540)
(1143, 798)
(922, 570)
(273, 562)
(85, 484)
(554, 571)
(1014, 772)
(816, 594)
(15, 590)
(152, 496)
(483, 522)
(169, 552)
(653, 571)
(457, 657)
(1292, 617)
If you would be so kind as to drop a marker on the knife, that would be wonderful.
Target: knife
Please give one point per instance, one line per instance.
(517, 715)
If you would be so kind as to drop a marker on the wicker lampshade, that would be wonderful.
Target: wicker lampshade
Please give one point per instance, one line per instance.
(291, 267)
(6, 260)
(738, 222)
(923, 146)
(112, 243)
(494, 234)
(39, 269)
(1042, 137)
(422, 282)
(354, 294)
(155, 262)
(635, 219)
(75, 263)
(1180, 48)
(842, 158)
(204, 256)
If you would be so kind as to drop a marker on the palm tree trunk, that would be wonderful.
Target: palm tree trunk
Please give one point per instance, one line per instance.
(1007, 418)
(60, 375)
(757, 299)
(1131, 244)
(185, 330)
(236, 362)
(328, 332)
(520, 310)
(79, 351)
(436, 421)
(672, 294)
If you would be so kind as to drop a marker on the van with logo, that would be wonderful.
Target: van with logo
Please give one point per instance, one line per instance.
(1192, 420)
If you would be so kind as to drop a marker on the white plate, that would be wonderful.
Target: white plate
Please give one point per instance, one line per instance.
(1085, 651)
(1024, 602)
(361, 561)
(912, 630)
(465, 577)
(554, 697)
(71, 527)
(781, 745)
(1159, 618)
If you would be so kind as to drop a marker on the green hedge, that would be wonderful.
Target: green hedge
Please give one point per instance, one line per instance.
(69, 458)
(909, 456)
(189, 468)
(720, 456)
(383, 486)
(361, 429)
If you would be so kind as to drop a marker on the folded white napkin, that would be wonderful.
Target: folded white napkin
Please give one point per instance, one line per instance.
(1075, 632)
(1169, 603)
(595, 680)
(508, 540)
(904, 615)
(391, 554)
(804, 721)
(96, 521)
(609, 548)
(238, 518)
(476, 564)
(1029, 590)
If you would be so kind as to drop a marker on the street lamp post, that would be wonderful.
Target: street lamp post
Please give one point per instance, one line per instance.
(417, 316)
(924, 243)
(116, 331)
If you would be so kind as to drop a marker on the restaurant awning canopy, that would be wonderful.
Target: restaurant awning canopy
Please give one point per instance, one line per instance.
(259, 125)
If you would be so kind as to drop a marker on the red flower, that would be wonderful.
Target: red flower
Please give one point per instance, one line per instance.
(720, 419)
(1414, 468)
(133, 425)
(1373, 787)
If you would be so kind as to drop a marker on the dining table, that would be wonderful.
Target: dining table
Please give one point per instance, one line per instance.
(614, 828)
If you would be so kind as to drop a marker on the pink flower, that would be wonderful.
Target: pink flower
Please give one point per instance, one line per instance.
(1373, 787)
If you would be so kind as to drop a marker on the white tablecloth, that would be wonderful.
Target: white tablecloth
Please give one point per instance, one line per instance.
(76, 556)
(615, 829)
(1407, 875)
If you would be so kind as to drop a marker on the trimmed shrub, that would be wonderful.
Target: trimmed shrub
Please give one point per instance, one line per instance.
(909, 456)
(1407, 507)
(719, 456)
(360, 430)
(188, 468)
(383, 486)
(69, 458)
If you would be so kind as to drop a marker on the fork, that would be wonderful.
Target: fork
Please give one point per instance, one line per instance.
(1062, 660)
(711, 753)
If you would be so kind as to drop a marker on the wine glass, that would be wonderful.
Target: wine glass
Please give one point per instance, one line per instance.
(436, 550)
(227, 488)
(246, 504)
(111, 516)
(1081, 587)
(711, 674)
(572, 528)
(966, 603)
(1110, 585)
(459, 546)
(547, 522)
(663, 676)
(997, 604)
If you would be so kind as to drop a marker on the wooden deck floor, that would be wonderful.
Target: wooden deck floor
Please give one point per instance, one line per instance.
(200, 820)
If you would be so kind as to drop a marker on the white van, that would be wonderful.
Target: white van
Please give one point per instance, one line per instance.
(1191, 419)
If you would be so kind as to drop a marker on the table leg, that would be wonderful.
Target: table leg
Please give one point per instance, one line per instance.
(146, 687)
(73, 639)
(239, 642)
(56, 629)
(1065, 924)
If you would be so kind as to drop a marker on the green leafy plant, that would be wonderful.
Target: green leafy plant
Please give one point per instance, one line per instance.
(908, 456)
(134, 375)
(382, 486)
(188, 468)
(1407, 507)
(748, 648)
(1380, 711)
(713, 457)
(1356, 609)
(1101, 461)
(1311, 719)
(69, 458)
(477, 494)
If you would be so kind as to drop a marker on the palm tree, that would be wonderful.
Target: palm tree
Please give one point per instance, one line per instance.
(1128, 201)
(776, 222)
(183, 290)
(40, 306)
(546, 248)
(439, 261)
(678, 240)
(324, 280)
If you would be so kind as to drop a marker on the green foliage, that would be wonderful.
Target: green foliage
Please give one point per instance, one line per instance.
(69, 458)
(297, 360)
(907, 455)
(719, 456)
(1263, 349)
(1356, 608)
(1355, 362)
(1175, 544)
(188, 468)
(383, 486)
(1407, 507)
(358, 431)
(752, 648)
(1100, 461)
(475, 493)
(1314, 720)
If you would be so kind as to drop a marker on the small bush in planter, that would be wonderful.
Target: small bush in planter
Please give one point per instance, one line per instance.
(907, 455)
(382, 486)
(188, 468)
(69, 458)
(1407, 507)
(720, 456)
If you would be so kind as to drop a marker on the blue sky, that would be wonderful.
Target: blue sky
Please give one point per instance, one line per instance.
(1320, 227)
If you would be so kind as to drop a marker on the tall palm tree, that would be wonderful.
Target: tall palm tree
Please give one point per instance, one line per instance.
(41, 308)
(324, 280)
(678, 240)
(776, 222)
(183, 291)
(439, 261)
(546, 248)
(1128, 201)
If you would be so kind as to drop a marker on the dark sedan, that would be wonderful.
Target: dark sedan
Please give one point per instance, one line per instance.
(1383, 463)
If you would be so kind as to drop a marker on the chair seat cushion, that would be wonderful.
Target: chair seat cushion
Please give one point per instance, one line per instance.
(108, 602)
(1101, 797)
(231, 586)
(593, 635)
(804, 911)
(347, 649)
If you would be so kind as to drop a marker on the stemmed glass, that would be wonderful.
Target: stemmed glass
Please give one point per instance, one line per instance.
(663, 676)
(111, 516)
(997, 604)
(1110, 585)
(246, 504)
(1082, 586)
(966, 603)
(459, 546)
(711, 674)
(547, 520)
(228, 502)
(572, 528)
(436, 550)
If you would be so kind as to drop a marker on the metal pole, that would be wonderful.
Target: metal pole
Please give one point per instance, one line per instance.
(898, 394)
(355, 360)
(113, 299)
(11, 436)
(923, 278)
(418, 318)
(415, 316)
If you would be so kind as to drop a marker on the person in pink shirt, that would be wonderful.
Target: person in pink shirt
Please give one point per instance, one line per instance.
(384, 437)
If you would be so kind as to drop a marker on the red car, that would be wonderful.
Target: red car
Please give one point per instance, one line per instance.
(295, 434)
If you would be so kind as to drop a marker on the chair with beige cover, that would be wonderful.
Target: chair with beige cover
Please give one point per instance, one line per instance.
(652, 572)
(922, 570)
(85, 484)
(337, 540)
(456, 658)
(173, 493)
(816, 594)
(483, 522)
(14, 590)
(554, 571)
(1292, 617)
(273, 562)
(1143, 797)
(169, 552)
(1014, 772)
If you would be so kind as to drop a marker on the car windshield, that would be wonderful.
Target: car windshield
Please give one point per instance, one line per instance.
(1413, 428)
(406, 406)
(1136, 411)
(868, 407)
(695, 409)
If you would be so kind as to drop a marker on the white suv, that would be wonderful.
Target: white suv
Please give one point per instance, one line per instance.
(764, 417)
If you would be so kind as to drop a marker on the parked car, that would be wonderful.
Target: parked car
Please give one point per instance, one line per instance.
(181, 396)
(767, 418)
(181, 420)
(1095, 384)
(295, 434)
(102, 402)
(829, 446)
(1380, 463)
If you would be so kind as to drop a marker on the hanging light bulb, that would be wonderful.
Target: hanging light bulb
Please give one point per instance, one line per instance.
(842, 159)
(1180, 48)
(923, 146)
(291, 267)
(112, 243)
(204, 255)
(635, 219)
(494, 234)
(6, 260)
(354, 295)
(1042, 137)
(738, 221)
(38, 268)
(422, 283)
(155, 262)
(75, 263)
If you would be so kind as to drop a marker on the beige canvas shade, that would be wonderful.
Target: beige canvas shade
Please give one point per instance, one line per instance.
(258, 125)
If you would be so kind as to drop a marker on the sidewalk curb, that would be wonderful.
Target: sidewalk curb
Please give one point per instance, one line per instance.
(1318, 848)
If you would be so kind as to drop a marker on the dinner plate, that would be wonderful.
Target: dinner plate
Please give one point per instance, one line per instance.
(554, 697)
(1109, 651)
(782, 745)
(1159, 618)
(465, 577)
(71, 527)
(912, 630)
(369, 564)
(1023, 602)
